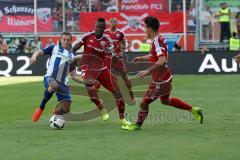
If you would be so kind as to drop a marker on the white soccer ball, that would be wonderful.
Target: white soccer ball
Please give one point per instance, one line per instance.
(57, 122)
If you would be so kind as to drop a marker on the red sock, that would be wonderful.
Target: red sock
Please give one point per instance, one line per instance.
(179, 104)
(121, 108)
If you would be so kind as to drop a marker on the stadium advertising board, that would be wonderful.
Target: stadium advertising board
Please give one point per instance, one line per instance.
(133, 22)
(18, 16)
(144, 5)
(179, 63)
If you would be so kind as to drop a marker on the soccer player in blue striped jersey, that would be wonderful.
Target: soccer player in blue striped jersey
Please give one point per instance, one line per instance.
(55, 80)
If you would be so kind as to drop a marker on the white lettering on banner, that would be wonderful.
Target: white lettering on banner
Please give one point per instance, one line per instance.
(129, 1)
(15, 9)
(22, 70)
(135, 7)
(226, 69)
(156, 6)
(209, 63)
(19, 22)
(7, 71)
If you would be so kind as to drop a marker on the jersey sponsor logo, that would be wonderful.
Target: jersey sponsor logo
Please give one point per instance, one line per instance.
(63, 57)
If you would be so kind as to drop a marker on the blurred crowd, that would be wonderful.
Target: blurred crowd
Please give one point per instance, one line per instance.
(74, 7)
(20, 45)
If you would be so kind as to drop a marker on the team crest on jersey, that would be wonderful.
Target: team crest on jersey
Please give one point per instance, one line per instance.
(117, 35)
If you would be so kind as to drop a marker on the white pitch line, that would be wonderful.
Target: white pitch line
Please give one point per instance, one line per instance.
(19, 79)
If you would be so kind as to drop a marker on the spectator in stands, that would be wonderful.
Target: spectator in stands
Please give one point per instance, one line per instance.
(23, 46)
(36, 44)
(101, 6)
(206, 21)
(83, 8)
(234, 42)
(178, 8)
(57, 19)
(192, 17)
(3, 46)
(50, 42)
(224, 19)
(113, 7)
(70, 20)
(238, 23)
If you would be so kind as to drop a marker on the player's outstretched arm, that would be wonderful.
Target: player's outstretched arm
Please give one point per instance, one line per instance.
(79, 78)
(159, 65)
(76, 47)
(33, 59)
(141, 59)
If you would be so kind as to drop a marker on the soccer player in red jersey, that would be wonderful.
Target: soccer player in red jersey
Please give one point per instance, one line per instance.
(116, 62)
(160, 87)
(96, 46)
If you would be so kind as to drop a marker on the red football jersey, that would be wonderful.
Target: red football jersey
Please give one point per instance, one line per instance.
(117, 37)
(159, 48)
(95, 50)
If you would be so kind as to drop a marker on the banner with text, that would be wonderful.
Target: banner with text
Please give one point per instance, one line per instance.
(179, 63)
(133, 22)
(18, 16)
(144, 5)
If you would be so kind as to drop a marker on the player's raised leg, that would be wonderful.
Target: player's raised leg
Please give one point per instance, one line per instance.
(180, 104)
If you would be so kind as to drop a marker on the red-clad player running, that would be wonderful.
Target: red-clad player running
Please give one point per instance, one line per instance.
(96, 46)
(160, 86)
(116, 62)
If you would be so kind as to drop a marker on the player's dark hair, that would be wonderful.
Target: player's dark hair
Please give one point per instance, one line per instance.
(152, 22)
(66, 33)
(101, 20)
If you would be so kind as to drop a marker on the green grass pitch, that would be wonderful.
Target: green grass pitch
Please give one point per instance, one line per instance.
(163, 136)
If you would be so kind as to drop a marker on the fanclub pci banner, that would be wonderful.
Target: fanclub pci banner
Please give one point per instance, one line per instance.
(18, 16)
(133, 22)
(144, 5)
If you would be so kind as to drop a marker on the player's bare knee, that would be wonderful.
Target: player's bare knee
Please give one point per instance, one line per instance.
(53, 86)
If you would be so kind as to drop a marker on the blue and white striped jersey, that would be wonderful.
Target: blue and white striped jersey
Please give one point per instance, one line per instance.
(59, 63)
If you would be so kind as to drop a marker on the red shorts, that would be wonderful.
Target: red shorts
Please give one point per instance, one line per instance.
(156, 90)
(104, 77)
(119, 64)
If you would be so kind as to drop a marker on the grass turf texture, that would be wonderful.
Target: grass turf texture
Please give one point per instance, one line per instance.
(166, 138)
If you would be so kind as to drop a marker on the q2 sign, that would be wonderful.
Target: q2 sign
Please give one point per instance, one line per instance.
(5, 70)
